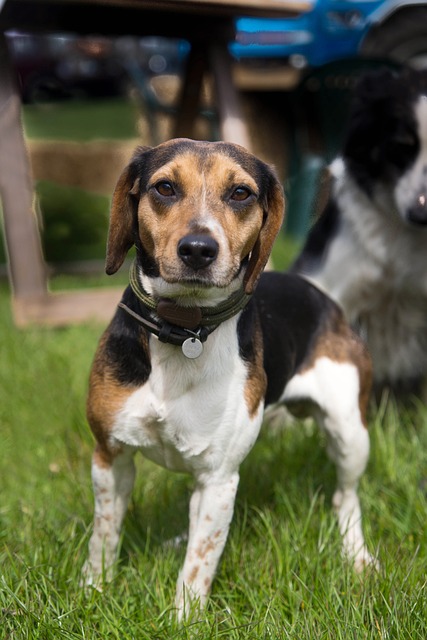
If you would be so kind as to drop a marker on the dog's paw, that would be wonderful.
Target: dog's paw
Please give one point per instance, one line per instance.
(92, 579)
(364, 561)
(177, 542)
(189, 602)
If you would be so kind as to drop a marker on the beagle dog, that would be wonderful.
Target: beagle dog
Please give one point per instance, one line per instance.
(202, 342)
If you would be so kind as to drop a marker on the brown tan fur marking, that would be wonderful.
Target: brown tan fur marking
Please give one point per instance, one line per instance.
(340, 344)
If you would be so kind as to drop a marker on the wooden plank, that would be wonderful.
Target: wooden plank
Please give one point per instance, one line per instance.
(266, 8)
(236, 7)
(169, 18)
(283, 78)
(26, 265)
(64, 308)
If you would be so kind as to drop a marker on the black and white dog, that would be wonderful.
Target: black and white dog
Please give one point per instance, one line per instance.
(368, 249)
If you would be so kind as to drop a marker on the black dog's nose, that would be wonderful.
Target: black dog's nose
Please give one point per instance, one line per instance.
(197, 251)
(417, 214)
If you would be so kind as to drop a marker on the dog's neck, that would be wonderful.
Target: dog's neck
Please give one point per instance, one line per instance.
(176, 324)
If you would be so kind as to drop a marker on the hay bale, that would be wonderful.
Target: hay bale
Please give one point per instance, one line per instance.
(93, 166)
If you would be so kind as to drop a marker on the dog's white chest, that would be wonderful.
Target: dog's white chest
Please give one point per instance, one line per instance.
(191, 415)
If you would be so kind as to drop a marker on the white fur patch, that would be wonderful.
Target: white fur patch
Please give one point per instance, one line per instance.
(376, 269)
(334, 387)
(412, 186)
(186, 295)
(177, 419)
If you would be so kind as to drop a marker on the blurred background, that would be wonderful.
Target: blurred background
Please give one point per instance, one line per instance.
(88, 101)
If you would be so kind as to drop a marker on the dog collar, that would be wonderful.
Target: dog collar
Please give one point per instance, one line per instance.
(188, 327)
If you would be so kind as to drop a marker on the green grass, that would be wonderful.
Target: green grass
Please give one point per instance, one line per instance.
(281, 575)
(81, 121)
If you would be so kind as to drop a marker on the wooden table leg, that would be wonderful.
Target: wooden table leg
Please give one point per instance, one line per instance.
(26, 265)
(213, 56)
(32, 303)
(189, 100)
(232, 123)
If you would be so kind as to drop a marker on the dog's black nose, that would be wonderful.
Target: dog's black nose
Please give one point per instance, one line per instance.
(197, 251)
(418, 213)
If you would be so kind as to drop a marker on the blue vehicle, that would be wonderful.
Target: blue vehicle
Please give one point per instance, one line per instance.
(335, 29)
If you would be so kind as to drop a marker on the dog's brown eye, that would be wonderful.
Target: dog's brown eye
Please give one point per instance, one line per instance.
(165, 189)
(240, 194)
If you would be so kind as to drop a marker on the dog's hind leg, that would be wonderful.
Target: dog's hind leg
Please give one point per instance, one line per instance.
(348, 448)
(334, 388)
(113, 479)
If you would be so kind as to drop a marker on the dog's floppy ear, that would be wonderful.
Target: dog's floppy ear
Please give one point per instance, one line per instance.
(120, 231)
(274, 209)
(121, 228)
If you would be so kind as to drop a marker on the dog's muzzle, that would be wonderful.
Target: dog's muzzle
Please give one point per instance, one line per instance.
(418, 213)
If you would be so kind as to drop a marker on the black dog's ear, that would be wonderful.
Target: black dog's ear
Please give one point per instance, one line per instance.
(376, 83)
(380, 137)
(122, 217)
(274, 209)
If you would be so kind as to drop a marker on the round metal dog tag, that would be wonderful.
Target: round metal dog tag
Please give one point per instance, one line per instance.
(192, 348)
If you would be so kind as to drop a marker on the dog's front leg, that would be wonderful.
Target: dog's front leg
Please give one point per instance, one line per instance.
(113, 481)
(211, 511)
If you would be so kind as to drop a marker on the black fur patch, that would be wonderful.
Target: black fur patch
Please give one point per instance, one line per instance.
(320, 237)
(293, 313)
(126, 348)
(382, 141)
